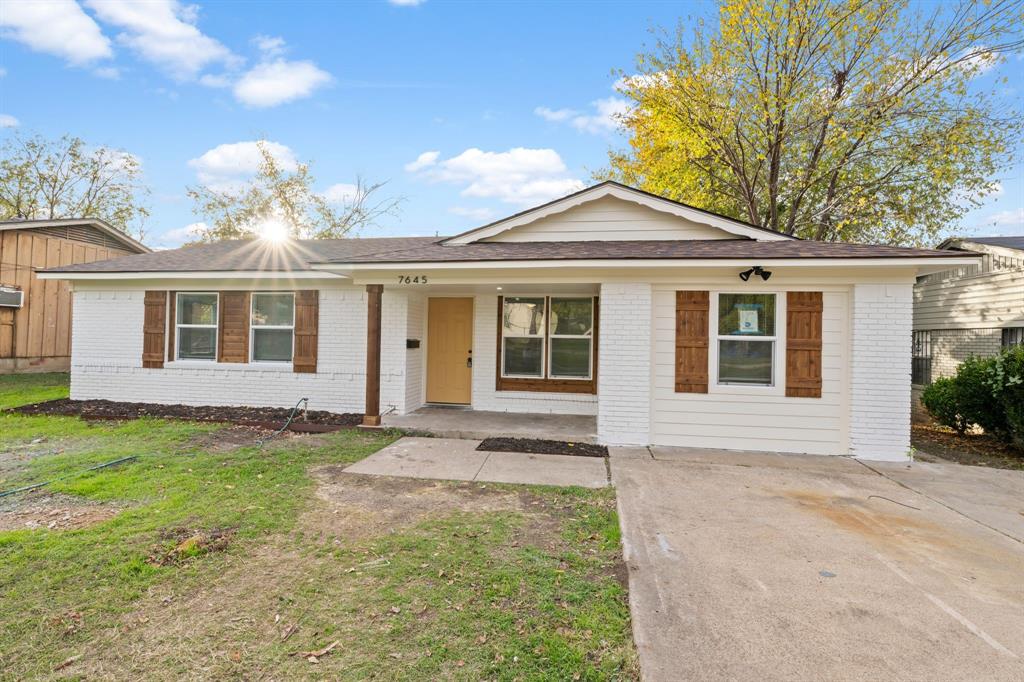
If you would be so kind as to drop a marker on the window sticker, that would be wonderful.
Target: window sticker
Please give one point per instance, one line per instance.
(748, 316)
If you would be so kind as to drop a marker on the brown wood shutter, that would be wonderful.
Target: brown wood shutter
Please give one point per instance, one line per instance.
(307, 322)
(154, 329)
(692, 311)
(172, 327)
(803, 344)
(233, 327)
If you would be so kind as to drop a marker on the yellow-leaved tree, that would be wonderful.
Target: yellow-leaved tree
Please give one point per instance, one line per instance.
(839, 120)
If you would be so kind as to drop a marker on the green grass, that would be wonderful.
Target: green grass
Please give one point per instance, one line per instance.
(521, 591)
(22, 389)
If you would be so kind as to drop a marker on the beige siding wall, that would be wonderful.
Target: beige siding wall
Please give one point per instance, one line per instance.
(610, 219)
(987, 296)
(750, 419)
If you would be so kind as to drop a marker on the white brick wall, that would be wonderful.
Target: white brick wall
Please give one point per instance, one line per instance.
(485, 395)
(414, 360)
(107, 358)
(880, 371)
(624, 364)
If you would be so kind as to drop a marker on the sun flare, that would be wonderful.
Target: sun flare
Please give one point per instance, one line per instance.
(273, 230)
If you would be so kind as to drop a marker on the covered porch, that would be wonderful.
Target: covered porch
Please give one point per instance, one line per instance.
(461, 422)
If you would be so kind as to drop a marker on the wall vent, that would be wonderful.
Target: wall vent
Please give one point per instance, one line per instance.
(11, 298)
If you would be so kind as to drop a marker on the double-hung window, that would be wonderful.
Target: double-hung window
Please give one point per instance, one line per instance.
(746, 339)
(272, 325)
(196, 325)
(547, 337)
(522, 331)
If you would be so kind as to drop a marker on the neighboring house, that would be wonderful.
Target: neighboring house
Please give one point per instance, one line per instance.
(35, 316)
(968, 310)
(670, 325)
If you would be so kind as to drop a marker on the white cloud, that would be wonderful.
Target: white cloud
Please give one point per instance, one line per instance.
(341, 193)
(1008, 218)
(270, 46)
(57, 27)
(271, 83)
(3, 72)
(978, 61)
(640, 80)
(474, 213)
(407, 3)
(8, 121)
(227, 166)
(183, 234)
(517, 176)
(163, 32)
(422, 161)
(108, 72)
(215, 80)
(555, 115)
(606, 118)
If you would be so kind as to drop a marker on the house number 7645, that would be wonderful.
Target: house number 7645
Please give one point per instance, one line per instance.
(412, 279)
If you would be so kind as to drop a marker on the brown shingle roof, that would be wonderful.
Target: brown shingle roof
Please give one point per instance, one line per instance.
(298, 256)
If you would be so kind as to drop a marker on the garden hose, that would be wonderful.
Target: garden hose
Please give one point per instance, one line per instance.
(302, 401)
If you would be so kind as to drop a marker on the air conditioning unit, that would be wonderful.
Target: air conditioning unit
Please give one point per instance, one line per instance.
(11, 298)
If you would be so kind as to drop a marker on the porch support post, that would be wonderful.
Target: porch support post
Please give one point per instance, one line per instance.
(371, 417)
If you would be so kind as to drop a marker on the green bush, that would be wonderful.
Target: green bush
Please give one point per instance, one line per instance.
(1006, 383)
(976, 400)
(940, 399)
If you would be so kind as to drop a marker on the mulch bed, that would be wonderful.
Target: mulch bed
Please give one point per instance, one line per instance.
(267, 417)
(536, 446)
(975, 449)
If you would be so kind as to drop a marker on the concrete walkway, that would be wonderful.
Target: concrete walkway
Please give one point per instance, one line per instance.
(459, 460)
(755, 566)
(458, 422)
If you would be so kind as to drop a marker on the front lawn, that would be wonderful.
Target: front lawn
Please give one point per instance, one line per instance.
(207, 556)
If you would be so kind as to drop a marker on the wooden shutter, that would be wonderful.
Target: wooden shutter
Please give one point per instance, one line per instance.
(233, 327)
(803, 344)
(154, 329)
(307, 322)
(172, 318)
(692, 324)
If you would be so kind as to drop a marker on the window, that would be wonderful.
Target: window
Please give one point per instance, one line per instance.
(921, 359)
(522, 332)
(547, 337)
(196, 326)
(746, 339)
(273, 325)
(1013, 336)
(572, 331)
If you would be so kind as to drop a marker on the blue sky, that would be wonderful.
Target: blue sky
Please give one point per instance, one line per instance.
(471, 111)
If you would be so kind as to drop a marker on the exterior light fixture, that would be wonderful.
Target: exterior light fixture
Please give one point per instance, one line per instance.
(756, 270)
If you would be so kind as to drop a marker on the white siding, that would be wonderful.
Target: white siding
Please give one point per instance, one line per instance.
(880, 371)
(751, 418)
(984, 299)
(624, 364)
(485, 366)
(107, 358)
(610, 219)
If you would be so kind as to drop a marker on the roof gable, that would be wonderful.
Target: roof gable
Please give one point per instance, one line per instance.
(611, 212)
(89, 230)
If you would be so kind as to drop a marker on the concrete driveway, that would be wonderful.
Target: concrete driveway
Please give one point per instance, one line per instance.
(764, 567)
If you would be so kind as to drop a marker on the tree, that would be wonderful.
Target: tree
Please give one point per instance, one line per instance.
(280, 199)
(65, 178)
(840, 120)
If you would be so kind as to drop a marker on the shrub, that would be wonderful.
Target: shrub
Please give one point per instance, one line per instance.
(976, 400)
(940, 399)
(1006, 383)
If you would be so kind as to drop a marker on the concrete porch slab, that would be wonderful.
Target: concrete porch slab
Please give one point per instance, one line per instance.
(459, 422)
(458, 460)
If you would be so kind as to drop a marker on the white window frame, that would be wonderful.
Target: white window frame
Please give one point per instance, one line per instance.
(777, 387)
(253, 327)
(553, 336)
(543, 336)
(215, 326)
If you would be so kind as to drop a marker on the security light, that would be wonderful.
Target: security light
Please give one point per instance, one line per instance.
(756, 270)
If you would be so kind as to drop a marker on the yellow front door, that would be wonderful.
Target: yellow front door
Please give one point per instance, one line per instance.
(449, 350)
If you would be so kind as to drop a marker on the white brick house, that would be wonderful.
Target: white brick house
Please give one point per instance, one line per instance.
(669, 325)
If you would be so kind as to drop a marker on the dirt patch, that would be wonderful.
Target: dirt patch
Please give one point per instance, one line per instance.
(17, 457)
(536, 446)
(258, 416)
(181, 544)
(52, 511)
(361, 506)
(935, 442)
